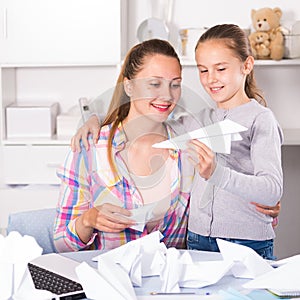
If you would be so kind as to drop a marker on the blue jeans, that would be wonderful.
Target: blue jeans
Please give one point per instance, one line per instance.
(207, 243)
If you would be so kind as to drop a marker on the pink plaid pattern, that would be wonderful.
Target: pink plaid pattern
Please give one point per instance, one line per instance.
(86, 178)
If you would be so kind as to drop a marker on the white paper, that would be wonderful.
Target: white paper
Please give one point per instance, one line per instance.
(286, 277)
(142, 215)
(135, 272)
(217, 137)
(247, 263)
(179, 270)
(111, 282)
(201, 274)
(281, 262)
(170, 272)
(157, 263)
(27, 290)
(148, 257)
(142, 249)
(149, 243)
(15, 253)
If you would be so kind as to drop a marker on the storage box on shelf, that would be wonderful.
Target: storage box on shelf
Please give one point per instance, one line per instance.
(68, 122)
(67, 125)
(292, 39)
(31, 119)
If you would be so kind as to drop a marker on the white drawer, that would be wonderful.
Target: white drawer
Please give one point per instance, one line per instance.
(32, 164)
(26, 198)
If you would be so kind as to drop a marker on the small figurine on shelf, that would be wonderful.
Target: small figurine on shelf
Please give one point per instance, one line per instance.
(260, 42)
(268, 20)
(184, 39)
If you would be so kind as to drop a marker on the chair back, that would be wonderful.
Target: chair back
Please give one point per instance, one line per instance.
(36, 223)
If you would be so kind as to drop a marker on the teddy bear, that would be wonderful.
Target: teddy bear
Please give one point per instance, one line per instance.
(260, 44)
(268, 20)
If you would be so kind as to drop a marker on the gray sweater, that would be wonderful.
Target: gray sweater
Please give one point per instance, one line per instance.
(220, 206)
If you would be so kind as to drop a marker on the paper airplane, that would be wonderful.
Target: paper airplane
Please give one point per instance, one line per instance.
(217, 137)
(283, 279)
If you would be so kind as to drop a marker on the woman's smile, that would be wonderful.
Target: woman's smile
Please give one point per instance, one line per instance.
(161, 107)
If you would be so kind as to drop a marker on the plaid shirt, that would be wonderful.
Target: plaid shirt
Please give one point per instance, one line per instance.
(86, 178)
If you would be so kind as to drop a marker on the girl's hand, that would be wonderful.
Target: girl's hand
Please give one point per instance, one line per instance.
(272, 211)
(92, 125)
(202, 157)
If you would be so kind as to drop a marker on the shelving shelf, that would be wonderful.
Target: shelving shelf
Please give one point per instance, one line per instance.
(37, 141)
(62, 65)
(259, 62)
(282, 62)
(291, 137)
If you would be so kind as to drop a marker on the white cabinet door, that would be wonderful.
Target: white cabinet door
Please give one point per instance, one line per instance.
(35, 164)
(60, 32)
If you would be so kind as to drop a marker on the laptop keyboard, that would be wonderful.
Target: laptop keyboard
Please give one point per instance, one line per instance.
(46, 280)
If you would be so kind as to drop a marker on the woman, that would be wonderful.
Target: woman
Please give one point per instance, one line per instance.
(122, 171)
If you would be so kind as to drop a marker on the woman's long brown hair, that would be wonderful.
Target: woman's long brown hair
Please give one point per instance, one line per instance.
(133, 64)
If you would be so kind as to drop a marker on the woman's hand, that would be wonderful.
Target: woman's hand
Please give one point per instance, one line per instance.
(92, 125)
(272, 211)
(106, 218)
(202, 157)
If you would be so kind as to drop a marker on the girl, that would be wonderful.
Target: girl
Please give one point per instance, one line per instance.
(226, 184)
(122, 171)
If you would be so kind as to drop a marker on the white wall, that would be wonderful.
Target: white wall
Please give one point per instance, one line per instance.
(199, 13)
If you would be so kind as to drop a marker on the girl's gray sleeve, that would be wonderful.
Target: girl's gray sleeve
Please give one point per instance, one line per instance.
(265, 186)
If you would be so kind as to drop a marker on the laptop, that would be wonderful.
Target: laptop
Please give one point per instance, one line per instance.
(56, 273)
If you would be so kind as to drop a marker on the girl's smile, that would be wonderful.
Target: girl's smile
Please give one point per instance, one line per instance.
(221, 73)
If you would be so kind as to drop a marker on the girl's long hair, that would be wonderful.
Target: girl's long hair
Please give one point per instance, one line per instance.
(236, 39)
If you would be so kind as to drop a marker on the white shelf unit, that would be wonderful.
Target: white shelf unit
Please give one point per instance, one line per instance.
(28, 165)
(259, 62)
(55, 50)
(279, 80)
